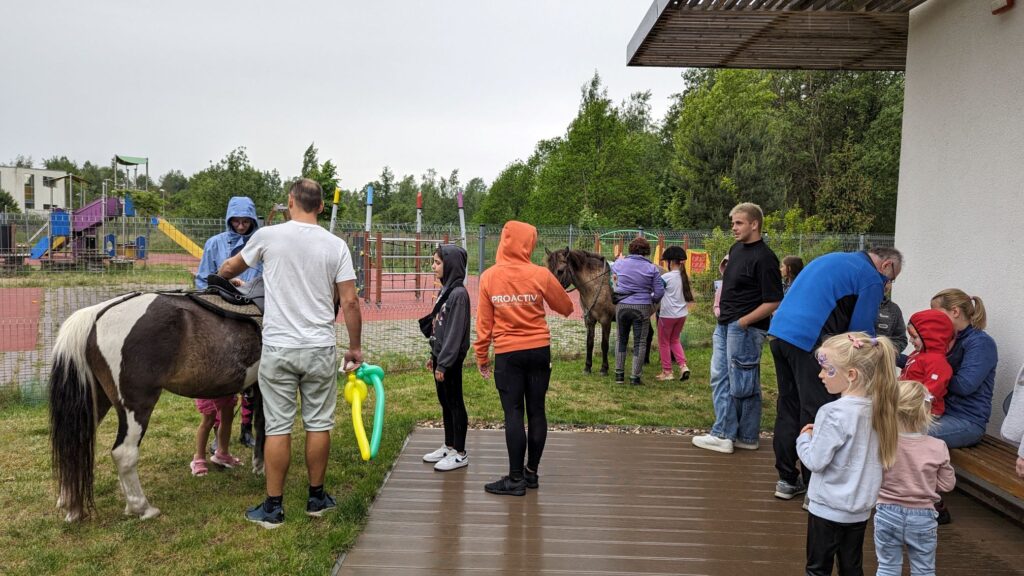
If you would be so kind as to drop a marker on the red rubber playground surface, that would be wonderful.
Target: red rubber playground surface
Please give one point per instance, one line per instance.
(19, 318)
(20, 307)
(405, 305)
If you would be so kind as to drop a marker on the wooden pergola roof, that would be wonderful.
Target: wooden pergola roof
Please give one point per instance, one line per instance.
(792, 34)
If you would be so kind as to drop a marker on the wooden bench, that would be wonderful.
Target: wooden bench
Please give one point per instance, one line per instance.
(987, 472)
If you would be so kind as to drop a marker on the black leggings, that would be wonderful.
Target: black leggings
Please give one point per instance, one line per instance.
(521, 376)
(453, 409)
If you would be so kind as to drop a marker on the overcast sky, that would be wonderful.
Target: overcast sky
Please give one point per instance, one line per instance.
(414, 85)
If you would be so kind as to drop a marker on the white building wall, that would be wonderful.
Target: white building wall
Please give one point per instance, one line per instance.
(13, 181)
(960, 214)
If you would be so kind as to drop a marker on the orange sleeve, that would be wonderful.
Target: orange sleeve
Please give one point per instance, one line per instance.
(556, 296)
(484, 324)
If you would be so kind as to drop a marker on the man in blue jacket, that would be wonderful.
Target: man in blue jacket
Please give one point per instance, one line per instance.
(240, 223)
(835, 293)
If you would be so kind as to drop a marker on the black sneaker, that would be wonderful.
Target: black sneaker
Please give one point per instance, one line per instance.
(506, 487)
(318, 506)
(532, 479)
(635, 381)
(269, 520)
(620, 377)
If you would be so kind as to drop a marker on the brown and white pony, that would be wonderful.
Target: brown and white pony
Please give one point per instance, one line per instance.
(121, 353)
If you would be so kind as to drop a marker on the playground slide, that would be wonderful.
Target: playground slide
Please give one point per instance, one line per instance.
(43, 246)
(179, 237)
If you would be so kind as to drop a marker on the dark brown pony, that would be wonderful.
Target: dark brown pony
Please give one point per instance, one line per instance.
(121, 354)
(590, 274)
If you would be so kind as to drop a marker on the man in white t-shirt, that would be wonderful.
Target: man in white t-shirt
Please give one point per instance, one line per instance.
(304, 269)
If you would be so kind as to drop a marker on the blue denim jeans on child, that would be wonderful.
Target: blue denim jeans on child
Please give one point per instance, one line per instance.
(915, 527)
(736, 382)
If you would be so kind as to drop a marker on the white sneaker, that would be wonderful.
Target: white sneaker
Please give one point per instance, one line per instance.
(709, 442)
(747, 445)
(452, 461)
(437, 455)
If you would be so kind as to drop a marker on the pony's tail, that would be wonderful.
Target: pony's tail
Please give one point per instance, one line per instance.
(73, 414)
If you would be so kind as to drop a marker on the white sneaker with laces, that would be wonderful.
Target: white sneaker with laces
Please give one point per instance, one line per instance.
(714, 443)
(452, 461)
(437, 455)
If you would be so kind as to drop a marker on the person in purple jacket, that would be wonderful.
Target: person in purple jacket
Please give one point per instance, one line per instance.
(638, 286)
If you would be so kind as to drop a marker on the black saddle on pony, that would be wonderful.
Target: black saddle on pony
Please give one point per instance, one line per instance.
(253, 295)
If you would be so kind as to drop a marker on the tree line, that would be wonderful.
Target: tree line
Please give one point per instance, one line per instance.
(820, 146)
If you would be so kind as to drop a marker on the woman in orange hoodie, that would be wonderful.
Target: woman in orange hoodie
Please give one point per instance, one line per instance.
(510, 312)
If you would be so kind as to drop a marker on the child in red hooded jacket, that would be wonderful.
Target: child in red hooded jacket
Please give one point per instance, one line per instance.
(932, 335)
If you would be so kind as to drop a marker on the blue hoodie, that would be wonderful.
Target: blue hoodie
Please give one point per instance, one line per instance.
(228, 243)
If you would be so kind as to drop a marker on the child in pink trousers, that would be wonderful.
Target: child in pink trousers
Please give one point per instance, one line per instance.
(672, 316)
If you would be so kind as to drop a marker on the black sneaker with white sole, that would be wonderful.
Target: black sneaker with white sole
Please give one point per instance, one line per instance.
(316, 507)
(258, 514)
(506, 487)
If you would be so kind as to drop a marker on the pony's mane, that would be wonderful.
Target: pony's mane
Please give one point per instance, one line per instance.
(588, 255)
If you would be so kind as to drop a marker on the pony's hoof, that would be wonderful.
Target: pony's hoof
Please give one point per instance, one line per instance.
(257, 467)
(587, 370)
(150, 512)
(72, 517)
(604, 372)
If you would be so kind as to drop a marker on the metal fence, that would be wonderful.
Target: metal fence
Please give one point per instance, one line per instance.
(38, 293)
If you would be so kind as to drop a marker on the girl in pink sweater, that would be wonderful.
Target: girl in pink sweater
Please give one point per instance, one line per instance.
(905, 512)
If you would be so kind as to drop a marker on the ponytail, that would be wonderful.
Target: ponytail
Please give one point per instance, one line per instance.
(978, 318)
(885, 398)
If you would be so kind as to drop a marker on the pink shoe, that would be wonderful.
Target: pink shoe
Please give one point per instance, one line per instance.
(198, 467)
(225, 460)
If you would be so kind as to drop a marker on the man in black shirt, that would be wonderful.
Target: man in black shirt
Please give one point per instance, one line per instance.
(751, 291)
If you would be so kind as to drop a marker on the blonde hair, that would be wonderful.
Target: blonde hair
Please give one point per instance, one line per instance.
(914, 411)
(874, 359)
(751, 211)
(970, 306)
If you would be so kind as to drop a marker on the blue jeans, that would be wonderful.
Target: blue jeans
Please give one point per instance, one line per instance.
(915, 527)
(736, 382)
(956, 432)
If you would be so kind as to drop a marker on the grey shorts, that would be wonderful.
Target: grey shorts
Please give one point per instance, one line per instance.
(309, 372)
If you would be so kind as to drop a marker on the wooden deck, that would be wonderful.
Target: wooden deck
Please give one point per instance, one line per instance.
(621, 504)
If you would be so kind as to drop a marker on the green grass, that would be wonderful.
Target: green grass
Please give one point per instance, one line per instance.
(201, 529)
(139, 274)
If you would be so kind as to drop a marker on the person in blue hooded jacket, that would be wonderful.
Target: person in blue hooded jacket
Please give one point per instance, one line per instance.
(240, 222)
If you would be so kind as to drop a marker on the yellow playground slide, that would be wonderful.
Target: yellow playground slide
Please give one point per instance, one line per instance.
(179, 237)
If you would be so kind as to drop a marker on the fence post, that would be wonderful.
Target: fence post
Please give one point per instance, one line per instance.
(860, 242)
(366, 273)
(570, 236)
(483, 236)
(380, 263)
(597, 243)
